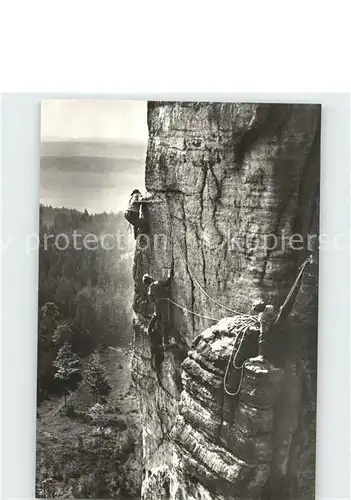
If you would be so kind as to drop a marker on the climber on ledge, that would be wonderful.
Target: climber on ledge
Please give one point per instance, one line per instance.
(159, 326)
(267, 316)
(132, 214)
(158, 291)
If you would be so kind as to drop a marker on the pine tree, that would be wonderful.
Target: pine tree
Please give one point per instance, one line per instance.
(48, 320)
(96, 378)
(67, 369)
(63, 334)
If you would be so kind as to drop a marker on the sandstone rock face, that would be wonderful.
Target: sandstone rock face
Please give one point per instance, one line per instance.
(232, 183)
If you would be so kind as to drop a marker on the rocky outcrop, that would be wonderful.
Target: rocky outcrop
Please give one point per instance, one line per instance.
(231, 185)
(224, 435)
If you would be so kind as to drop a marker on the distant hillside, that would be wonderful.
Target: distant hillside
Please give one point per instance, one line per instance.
(93, 164)
(49, 214)
(94, 175)
(101, 149)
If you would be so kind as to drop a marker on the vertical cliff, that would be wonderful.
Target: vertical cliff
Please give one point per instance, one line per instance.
(230, 184)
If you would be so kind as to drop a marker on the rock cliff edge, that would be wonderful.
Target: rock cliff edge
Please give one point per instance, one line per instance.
(230, 185)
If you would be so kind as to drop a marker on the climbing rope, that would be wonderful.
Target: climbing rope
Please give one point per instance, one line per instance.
(301, 270)
(188, 310)
(293, 287)
(232, 359)
(238, 350)
(205, 293)
(196, 280)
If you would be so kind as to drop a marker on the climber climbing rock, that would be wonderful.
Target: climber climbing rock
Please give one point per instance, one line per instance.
(159, 326)
(132, 214)
(258, 306)
(266, 316)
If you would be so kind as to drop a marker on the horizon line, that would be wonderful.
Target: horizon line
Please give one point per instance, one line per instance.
(92, 139)
(63, 207)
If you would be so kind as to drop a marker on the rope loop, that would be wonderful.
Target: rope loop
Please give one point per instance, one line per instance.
(232, 359)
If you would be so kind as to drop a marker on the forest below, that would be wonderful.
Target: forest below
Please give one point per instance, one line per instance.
(85, 291)
(87, 430)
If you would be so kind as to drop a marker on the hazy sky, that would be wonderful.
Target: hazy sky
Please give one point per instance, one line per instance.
(104, 162)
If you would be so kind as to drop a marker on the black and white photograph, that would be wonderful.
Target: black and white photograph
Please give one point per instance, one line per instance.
(178, 300)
